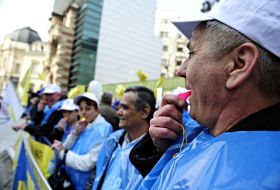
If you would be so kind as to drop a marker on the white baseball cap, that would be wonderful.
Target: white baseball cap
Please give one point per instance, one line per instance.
(258, 20)
(87, 95)
(51, 89)
(69, 105)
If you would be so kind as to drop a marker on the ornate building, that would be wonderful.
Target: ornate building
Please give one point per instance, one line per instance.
(61, 39)
(19, 50)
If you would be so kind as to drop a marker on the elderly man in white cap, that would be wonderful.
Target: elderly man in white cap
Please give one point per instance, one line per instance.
(52, 114)
(233, 72)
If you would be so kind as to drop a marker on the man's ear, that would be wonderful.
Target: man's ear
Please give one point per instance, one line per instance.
(241, 64)
(146, 111)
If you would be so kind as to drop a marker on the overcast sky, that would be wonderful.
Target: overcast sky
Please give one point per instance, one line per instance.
(15, 14)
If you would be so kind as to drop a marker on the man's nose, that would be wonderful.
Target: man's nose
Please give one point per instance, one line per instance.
(181, 72)
(119, 112)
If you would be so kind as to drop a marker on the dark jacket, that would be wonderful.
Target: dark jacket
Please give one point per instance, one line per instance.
(45, 129)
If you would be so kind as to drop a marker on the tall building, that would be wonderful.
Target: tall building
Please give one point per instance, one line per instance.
(85, 42)
(174, 48)
(109, 40)
(19, 50)
(127, 41)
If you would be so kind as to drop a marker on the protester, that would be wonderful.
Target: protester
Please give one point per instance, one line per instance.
(114, 170)
(31, 114)
(67, 124)
(108, 112)
(81, 147)
(233, 71)
(51, 115)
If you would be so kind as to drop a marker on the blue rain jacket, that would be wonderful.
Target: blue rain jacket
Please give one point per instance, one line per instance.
(48, 111)
(233, 160)
(90, 137)
(192, 129)
(121, 174)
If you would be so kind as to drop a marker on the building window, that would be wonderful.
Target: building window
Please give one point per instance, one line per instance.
(165, 48)
(164, 62)
(163, 34)
(164, 21)
(178, 63)
(179, 49)
(16, 68)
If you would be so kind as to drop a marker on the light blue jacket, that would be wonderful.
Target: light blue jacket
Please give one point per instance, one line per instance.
(88, 139)
(48, 111)
(233, 160)
(192, 130)
(120, 174)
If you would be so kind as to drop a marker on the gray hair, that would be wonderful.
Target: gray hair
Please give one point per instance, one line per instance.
(144, 97)
(223, 39)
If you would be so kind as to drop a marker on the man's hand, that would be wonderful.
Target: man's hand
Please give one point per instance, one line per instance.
(57, 145)
(20, 125)
(61, 124)
(165, 127)
(80, 127)
(41, 105)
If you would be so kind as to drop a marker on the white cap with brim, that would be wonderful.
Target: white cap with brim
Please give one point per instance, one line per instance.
(51, 89)
(258, 20)
(87, 95)
(69, 105)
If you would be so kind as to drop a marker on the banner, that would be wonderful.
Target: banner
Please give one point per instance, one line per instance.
(10, 98)
(44, 156)
(28, 175)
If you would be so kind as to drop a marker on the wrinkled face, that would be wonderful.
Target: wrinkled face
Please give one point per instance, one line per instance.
(205, 77)
(51, 99)
(88, 111)
(129, 116)
(70, 116)
(48, 99)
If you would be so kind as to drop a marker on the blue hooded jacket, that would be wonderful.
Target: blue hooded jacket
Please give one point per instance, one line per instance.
(88, 139)
(192, 129)
(120, 173)
(233, 160)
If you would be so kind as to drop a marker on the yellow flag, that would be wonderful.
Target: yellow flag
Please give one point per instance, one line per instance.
(25, 85)
(43, 155)
(160, 82)
(120, 90)
(141, 76)
(79, 89)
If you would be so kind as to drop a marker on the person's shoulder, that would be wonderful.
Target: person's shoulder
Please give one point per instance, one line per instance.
(106, 109)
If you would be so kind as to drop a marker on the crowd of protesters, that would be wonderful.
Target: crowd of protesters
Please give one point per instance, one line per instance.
(92, 139)
(228, 139)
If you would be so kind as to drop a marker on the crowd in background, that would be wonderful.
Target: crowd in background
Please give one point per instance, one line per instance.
(91, 137)
(228, 139)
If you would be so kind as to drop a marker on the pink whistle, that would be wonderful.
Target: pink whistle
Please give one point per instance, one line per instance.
(183, 96)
